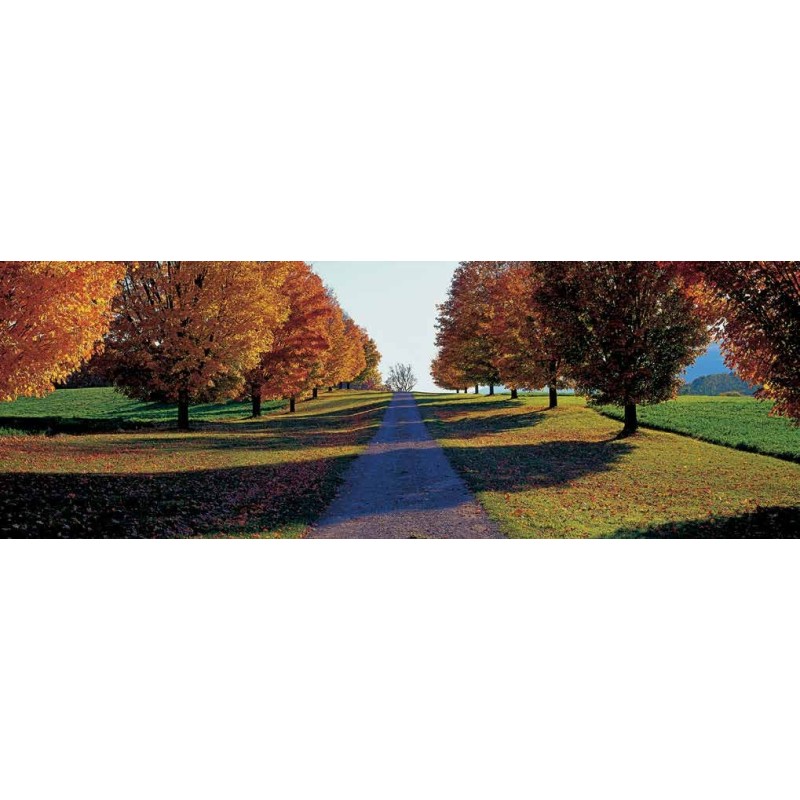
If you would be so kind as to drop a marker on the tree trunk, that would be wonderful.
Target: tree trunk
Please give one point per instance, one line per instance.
(348, 385)
(466, 390)
(631, 420)
(458, 391)
(292, 404)
(183, 410)
(514, 394)
(477, 389)
(330, 389)
(315, 393)
(491, 390)
(255, 395)
(553, 384)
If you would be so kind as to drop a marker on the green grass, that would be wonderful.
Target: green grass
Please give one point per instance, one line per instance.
(109, 405)
(240, 478)
(564, 474)
(739, 422)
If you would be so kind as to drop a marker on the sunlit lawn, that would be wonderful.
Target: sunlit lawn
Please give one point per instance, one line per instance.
(111, 407)
(270, 477)
(740, 422)
(563, 473)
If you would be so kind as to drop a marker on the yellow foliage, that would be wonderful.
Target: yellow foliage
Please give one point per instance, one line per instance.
(52, 315)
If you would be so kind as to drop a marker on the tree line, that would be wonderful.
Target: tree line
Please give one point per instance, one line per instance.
(619, 332)
(180, 332)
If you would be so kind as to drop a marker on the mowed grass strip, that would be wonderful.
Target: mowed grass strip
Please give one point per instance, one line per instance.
(268, 478)
(110, 406)
(563, 473)
(739, 422)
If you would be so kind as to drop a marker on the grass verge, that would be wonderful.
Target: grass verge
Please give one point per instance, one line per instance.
(739, 422)
(266, 478)
(107, 410)
(563, 474)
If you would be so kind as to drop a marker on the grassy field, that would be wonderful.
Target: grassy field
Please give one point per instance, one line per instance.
(564, 474)
(270, 477)
(739, 422)
(113, 409)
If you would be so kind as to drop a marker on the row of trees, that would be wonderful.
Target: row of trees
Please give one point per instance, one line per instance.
(619, 332)
(179, 331)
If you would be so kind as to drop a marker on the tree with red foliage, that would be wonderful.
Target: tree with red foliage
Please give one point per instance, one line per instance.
(465, 322)
(627, 329)
(287, 369)
(754, 309)
(447, 376)
(528, 347)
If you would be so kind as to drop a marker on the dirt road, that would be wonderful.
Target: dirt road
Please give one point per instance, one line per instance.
(403, 487)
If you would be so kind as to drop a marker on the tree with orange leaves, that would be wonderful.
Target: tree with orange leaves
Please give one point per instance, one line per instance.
(446, 376)
(354, 355)
(190, 331)
(754, 309)
(287, 369)
(465, 322)
(345, 358)
(370, 377)
(52, 316)
(529, 354)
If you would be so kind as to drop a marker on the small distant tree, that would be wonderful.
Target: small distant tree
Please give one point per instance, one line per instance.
(401, 378)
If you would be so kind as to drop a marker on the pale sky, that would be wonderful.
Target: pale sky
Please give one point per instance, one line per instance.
(396, 302)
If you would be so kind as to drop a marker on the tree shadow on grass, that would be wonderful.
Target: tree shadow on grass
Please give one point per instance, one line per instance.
(776, 522)
(164, 505)
(475, 419)
(518, 468)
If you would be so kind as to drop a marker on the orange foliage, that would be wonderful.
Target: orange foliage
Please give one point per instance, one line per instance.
(52, 315)
(345, 359)
(288, 368)
(189, 331)
(465, 322)
(528, 351)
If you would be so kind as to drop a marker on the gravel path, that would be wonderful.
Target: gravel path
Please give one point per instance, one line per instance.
(403, 487)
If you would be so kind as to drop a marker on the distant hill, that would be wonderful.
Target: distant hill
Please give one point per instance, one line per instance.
(710, 363)
(720, 383)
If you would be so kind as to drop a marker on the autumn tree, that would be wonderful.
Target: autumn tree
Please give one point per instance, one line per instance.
(465, 322)
(289, 367)
(190, 331)
(345, 359)
(446, 376)
(370, 376)
(52, 316)
(526, 338)
(754, 310)
(628, 329)
(355, 359)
